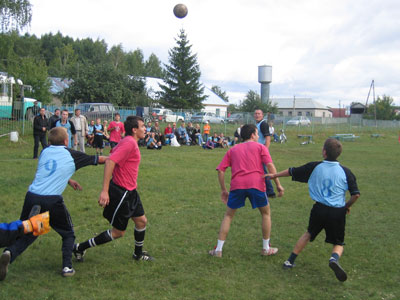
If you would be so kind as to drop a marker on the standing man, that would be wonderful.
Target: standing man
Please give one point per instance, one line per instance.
(54, 118)
(264, 137)
(40, 126)
(81, 128)
(67, 124)
(119, 196)
(117, 130)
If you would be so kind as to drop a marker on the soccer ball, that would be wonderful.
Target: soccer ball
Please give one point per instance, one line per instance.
(180, 11)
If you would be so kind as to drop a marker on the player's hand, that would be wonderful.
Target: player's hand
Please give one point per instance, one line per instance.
(224, 196)
(104, 199)
(39, 224)
(281, 190)
(348, 210)
(75, 185)
(269, 175)
(75, 142)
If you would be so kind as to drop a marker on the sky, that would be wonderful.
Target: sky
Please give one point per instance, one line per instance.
(326, 50)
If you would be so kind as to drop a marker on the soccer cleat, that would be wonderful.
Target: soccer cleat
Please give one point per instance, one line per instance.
(78, 254)
(288, 265)
(144, 256)
(4, 262)
(215, 253)
(68, 272)
(339, 272)
(269, 252)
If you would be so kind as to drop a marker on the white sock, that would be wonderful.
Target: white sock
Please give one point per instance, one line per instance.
(219, 245)
(266, 244)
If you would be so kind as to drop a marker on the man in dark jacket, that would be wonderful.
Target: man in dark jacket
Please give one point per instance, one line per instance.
(40, 127)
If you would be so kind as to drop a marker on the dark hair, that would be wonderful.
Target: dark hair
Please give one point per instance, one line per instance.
(56, 109)
(132, 122)
(57, 136)
(333, 148)
(117, 114)
(247, 130)
(76, 109)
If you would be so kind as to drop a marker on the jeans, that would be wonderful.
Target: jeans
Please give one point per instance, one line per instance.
(37, 138)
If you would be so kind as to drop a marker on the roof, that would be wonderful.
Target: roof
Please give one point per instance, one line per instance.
(152, 85)
(299, 103)
(59, 84)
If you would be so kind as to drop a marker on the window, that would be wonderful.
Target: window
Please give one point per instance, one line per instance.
(218, 111)
(323, 114)
(281, 113)
(308, 114)
(299, 113)
(290, 113)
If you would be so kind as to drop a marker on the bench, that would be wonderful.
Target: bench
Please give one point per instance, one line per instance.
(307, 139)
(345, 137)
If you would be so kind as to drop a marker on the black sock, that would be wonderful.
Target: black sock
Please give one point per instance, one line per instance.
(139, 239)
(292, 258)
(102, 238)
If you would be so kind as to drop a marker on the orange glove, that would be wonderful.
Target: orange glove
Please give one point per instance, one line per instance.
(39, 224)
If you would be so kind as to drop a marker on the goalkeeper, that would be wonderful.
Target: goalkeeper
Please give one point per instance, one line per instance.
(56, 165)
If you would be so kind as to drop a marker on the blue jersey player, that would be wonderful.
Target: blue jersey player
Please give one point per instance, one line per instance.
(328, 182)
(56, 165)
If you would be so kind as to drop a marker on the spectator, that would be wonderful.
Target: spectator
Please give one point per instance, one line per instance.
(168, 133)
(216, 140)
(106, 136)
(272, 132)
(158, 135)
(236, 135)
(206, 131)
(67, 124)
(98, 136)
(190, 132)
(174, 129)
(35, 108)
(151, 142)
(197, 135)
(117, 130)
(183, 137)
(90, 135)
(223, 141)
(81, 127)
(40, 126)
(54, 118)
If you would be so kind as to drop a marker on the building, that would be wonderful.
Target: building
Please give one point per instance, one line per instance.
(339, 112)
(290, 107)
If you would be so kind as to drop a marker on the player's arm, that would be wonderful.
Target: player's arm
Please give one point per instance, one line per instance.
(102, 159)
(224, 192)
(271, 169)
(352, 200)
(104, 198)
(284, 173)
(75, 185)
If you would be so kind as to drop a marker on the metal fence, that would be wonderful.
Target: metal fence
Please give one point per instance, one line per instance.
(20, 121)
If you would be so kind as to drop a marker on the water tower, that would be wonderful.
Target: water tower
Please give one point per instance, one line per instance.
(265, 78)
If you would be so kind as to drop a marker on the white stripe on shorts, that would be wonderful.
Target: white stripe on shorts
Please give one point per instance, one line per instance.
(120, 202)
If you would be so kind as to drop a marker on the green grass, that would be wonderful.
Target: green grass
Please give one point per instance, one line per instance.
(180, 193)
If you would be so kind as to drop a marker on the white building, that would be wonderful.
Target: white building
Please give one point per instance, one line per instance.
(213, 103)
(290, 107)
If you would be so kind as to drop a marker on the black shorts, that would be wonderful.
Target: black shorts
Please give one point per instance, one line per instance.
(123, 205)
(98, 141)
(332, 219)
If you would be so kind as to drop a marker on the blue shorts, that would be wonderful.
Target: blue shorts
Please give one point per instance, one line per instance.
(237, 198)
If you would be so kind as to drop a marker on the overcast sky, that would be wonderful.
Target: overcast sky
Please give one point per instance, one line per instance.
(323, 49)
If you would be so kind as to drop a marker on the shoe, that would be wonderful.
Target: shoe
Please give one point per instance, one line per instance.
(339, 272)
(34, 211)
(145, 256)
(271, 195)
(4, 262)
(68, 272)
(269, 252)
(215, 253)
(288, 265)
(78, 254)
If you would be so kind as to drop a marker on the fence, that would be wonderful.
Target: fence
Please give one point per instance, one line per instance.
(18, 120)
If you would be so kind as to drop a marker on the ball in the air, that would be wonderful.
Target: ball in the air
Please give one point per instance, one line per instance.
(180, 11)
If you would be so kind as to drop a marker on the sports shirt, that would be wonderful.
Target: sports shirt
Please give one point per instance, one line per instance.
(115, 135)
(246, 161)
(327, 181)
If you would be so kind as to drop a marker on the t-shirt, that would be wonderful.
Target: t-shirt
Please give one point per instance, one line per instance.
(206, 129)
(126, 155)
(328, 181)
(263, 131)
(246, 161)
(55, 167)
(115, 135)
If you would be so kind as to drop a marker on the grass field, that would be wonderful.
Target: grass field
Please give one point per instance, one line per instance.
(180, 193)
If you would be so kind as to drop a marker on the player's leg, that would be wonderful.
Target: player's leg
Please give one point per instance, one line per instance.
(266, 230)
(223, 232)
(140, 231)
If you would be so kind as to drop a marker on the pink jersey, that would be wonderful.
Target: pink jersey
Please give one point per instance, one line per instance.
(115, 135)
(246, 161)
(126, 156)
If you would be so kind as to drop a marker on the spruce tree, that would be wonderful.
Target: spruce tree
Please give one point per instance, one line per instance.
(182, 88)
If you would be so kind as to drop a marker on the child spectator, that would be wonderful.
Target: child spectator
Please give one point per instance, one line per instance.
(151, 142)
(206, 131)
(117, 130)
(168, 133)
(90, 135)
(98, 137)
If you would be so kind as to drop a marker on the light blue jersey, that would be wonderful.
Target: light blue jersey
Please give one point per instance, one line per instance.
(55, 167)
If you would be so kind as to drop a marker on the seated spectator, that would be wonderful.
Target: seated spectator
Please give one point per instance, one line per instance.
(152, 143)
(90, 134)
(158, 135)
(209, 145)
(223, 141)
(197, 135)
(190, 132)
(168, 133)
(236, 135)
(183, 137)
(174, 129)
(216, 140)
(272, 132)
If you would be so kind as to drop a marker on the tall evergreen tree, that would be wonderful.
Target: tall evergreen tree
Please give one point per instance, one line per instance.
(183, 89)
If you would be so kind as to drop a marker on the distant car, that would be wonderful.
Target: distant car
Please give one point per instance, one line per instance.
(169, 116)
(92, 111)
(242, 118)
(202, 117)
(296, 121)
